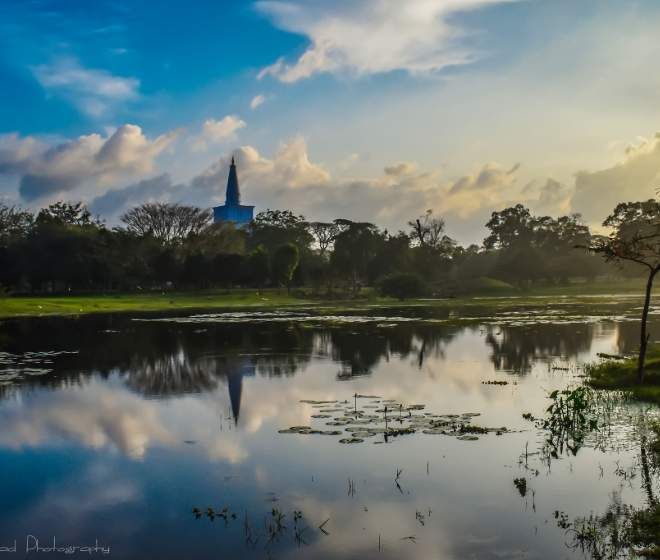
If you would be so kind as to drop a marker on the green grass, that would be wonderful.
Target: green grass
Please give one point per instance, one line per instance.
(75, 305)
(483, 300)
(622, 375)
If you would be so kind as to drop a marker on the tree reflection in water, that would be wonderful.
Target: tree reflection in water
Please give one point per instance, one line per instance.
(166, 359)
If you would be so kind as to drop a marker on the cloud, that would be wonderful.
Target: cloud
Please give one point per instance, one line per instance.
(371, 37)
(289, 169)
(15, 152)
(217, 131)
(257, 101)
(113, 202)
(48, 170)
(92, 91)
(290, 179)
(636, 177)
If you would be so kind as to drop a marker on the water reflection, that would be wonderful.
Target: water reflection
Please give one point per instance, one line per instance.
(150, 419)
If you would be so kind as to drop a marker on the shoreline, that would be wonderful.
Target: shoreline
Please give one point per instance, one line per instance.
(12, 307)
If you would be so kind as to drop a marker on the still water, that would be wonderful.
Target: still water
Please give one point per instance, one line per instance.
(115, 428)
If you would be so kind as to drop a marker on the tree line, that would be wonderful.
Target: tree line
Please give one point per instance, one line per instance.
(64, 248)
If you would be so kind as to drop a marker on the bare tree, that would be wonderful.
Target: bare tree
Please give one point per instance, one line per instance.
(325, 234)
(635, 237)
(168, 223)
(427, 230)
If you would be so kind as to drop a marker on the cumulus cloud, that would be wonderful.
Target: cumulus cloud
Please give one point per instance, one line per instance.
(217, 131)
(93, 91)
(290, 179)
(636, 177)
(257, 101)
(373, 36)
(48, 170)
(290, 168)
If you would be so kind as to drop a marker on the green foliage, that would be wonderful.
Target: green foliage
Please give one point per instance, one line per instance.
(402, 285)
(169, 246)
(285, 262)
(273, 228)
(67, 213)
(15, 224)
(569, 419)
(355, 247)
(622, 375)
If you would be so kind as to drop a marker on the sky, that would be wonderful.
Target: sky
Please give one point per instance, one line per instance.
(371, 110)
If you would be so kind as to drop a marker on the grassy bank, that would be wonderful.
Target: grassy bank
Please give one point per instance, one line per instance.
(622, 375)
(75, 305)
(26, 306)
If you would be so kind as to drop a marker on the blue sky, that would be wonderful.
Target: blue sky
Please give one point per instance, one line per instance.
(367, 109)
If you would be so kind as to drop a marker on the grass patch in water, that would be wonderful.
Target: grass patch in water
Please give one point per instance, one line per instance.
(622, 375)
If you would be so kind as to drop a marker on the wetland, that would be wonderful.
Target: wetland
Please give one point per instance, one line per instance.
(450, 432)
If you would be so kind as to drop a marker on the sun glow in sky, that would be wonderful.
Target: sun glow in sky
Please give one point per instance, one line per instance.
(373, 110)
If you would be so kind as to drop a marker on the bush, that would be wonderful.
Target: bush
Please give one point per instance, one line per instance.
(402, 285)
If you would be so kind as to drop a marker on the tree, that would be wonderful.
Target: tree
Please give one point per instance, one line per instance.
(428, 230)
(635, 237)
(14, 224)
(216, 239)
(258, 267)
(402, 285)
(325, 234)
(509, 227)
(355, 247)
(273, 228)
(285, 262)
(68, 213)
(167, 223)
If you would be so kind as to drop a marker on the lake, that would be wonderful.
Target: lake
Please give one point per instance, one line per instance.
(123, 430)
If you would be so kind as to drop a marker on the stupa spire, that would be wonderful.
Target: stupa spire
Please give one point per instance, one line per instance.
(233, 196)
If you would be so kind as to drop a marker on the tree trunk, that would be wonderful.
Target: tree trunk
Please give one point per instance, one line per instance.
(644, 337)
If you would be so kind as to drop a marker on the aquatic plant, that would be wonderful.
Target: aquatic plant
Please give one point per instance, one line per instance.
(521, 485)
(569, 419)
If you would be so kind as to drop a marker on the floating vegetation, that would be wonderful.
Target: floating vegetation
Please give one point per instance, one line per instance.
(388, 418)
(495, 382)
(14, 367)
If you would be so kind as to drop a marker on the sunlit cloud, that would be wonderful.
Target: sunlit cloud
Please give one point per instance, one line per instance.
(49, 170)
(216, 131)
(635, 177)
(371, 37)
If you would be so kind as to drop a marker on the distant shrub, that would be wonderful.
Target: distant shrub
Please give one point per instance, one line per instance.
(402, 285)
(487, 284)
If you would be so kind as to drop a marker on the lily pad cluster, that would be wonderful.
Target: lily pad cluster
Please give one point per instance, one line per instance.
(370, 417)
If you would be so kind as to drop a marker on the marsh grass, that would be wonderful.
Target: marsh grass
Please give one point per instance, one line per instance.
(622, 375)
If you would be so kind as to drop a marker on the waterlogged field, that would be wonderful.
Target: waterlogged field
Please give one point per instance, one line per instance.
(411, 432)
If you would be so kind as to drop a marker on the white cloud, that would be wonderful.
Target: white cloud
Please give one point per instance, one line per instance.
(93, 91)
(217, 131)
(45, 171)
(636, 177)
(372, 36)
(291, 180)
(289, 169)
(257, 101)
